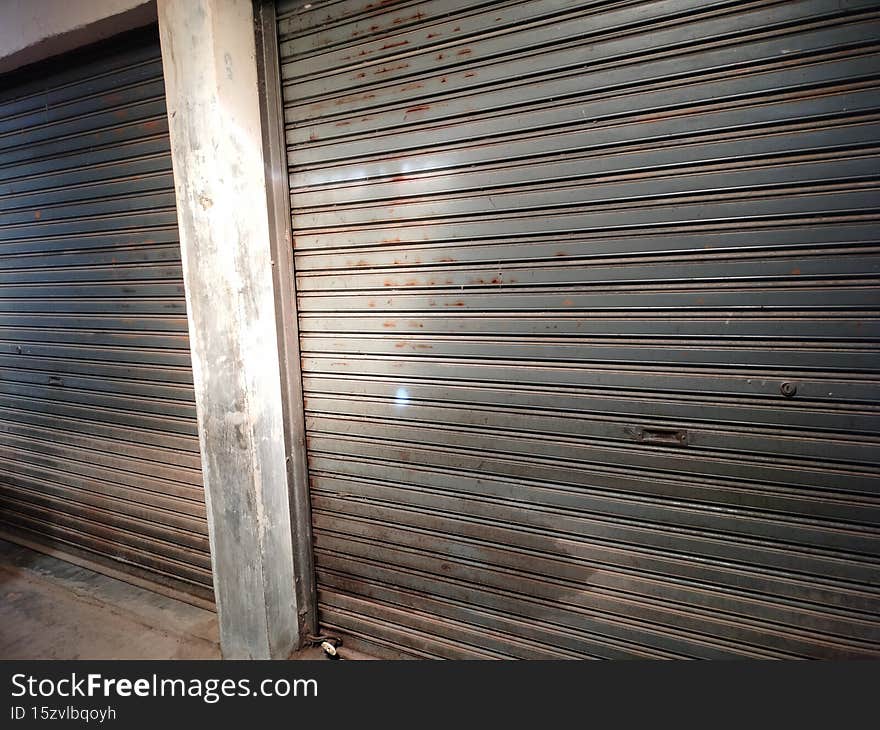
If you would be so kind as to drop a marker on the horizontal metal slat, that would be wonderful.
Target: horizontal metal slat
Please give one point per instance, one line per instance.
(403, 572)
(89, 76)
(571, 644)
(547, 453)
(100, 456)
(48, 532)
(123, 95)
(186, 502)
(150, 176)
(595, 616)
(549, 376)
(152, 324)
(147, 172)
(46, 366)
(766, 355)
(82, 473)
(508, 569)
(108, 354)
(164, 415)
(171, 307)
(595, 487)
(683, 83)
(681, 214)
(146, 213)
(702, 243)
(466, 634)
(111, 515)
(741, 327)
(780, 427)
(177, 513)
(97, 242)
(151, 195)
(118, 386)
(28, 144)
(359, 58)
(69, 546)
(576, 558)
(68, 449)
(74, 420)
(525, 235)
(138, 255)
(791, 117)
(124, 149)
(392, 636)
(341, 22)
(422, 65)
(574, 519)
(853, 173)
(739, 152)
(113, 338)
(619, 619)
(98, 144)
(161, 549)
(831, 298)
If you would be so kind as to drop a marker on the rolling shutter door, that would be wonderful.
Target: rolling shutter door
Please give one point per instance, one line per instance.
(588, 314)
(99, 452)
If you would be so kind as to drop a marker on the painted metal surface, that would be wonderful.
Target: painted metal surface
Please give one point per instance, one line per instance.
(99, 452)
(275, 160)
(587, 303)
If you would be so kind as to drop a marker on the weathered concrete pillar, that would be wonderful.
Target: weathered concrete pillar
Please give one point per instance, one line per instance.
(209, 58)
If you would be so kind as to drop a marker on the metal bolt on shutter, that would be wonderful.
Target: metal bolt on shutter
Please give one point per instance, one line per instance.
(588, 303)
(99, 452)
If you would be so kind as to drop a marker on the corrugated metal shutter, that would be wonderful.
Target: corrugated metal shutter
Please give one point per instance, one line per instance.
(588, 314)
(99, 452)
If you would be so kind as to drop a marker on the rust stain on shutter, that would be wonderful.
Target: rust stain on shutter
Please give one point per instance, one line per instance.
(588, 312)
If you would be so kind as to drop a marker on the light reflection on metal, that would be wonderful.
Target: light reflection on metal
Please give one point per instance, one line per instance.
(606, 252)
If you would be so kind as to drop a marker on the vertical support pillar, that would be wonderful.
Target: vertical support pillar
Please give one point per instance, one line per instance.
(209, 60)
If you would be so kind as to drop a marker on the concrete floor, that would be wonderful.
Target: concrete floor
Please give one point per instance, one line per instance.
(50, 609)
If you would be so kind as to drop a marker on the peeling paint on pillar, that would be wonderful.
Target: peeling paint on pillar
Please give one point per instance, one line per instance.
(209, 58)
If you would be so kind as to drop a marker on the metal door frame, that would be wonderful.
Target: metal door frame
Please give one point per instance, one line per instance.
(284, 282)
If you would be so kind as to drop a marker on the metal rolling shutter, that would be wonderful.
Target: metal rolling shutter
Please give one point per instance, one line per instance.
(99, 452)
(588, 313)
